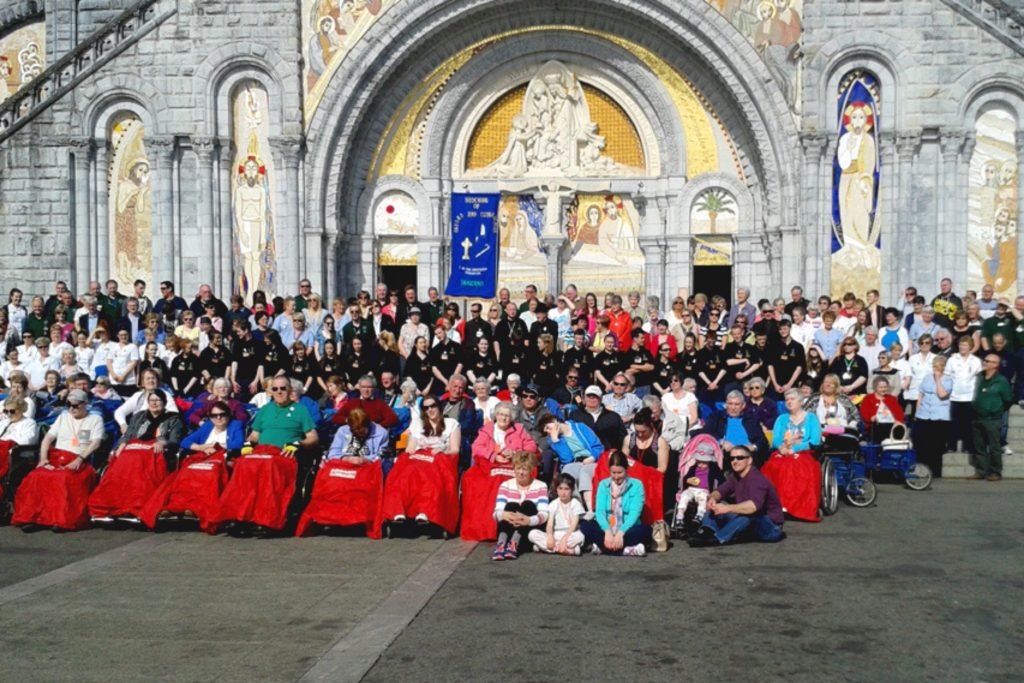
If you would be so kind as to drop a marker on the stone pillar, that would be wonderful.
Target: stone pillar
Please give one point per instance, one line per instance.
(225, 223)
(79, 150)
(290, 247)
(678, 268)
(655, 254)
(952, 237)
(164, 256)
(209, 265)
(823, 230)
(101, 195)
(811, 219)
(552, 247)
(429, 263)
(907, 145)
(1020, 210)
(888, 197)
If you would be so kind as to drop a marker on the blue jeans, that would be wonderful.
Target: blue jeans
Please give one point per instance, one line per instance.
(638, 533)
(728, 526)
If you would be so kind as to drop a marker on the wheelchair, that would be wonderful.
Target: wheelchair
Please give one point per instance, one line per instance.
(843, 468)
(899, 457)
(23, 460)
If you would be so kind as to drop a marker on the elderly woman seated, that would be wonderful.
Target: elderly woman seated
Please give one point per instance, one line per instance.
(499, 440)
(577, 448)
(880, 410)
(15, 430)
(520, 506)
(792, 469)
(149, 380)
(219, 391)
(839, 418)
(759, 407)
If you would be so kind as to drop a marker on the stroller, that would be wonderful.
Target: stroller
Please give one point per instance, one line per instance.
(698, 498)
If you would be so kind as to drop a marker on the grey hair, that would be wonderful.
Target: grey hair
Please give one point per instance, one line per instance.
(753, 382)
(878, 379)
(482, 382)
(514, 376)
(653, 302)
(368, 378)
(16, 403)
(408, 386)
(792, 392)
(503, 405)
(871, 328)
(736, 394)
(219, 382)
(458, 376)
(652, 401)
(298, 387)
(88, 299)
(689, 384)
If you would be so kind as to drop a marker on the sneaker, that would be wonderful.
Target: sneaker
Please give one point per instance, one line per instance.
(994, 477)
(131, 519)
(102, 520)
(637, 550)
(422, 519)
(595, 549)
(576, 550)
(537, 548)
(399, 518)
(499, 552)
(977, 476)
(512, 551)
(1007, 450)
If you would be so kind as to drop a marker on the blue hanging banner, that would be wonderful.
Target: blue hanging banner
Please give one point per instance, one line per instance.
(474, 246)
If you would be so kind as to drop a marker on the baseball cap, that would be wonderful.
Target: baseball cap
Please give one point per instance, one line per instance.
(414, 310)
(77, 396)
(593, 390)
(705, 453)
(530, 388)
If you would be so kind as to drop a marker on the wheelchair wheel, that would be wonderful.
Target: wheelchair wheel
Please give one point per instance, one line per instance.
(829, 488)
(861, 492)
(919, 477)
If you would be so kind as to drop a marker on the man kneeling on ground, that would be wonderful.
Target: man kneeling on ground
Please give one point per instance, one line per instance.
(756, 511)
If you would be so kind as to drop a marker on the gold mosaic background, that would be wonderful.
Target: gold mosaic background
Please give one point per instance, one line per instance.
(491, 134)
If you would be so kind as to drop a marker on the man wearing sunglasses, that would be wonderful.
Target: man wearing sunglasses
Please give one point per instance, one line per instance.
(755, 511)
(283, 422)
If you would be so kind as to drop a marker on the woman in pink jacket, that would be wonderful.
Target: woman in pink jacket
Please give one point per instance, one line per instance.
(498, 440)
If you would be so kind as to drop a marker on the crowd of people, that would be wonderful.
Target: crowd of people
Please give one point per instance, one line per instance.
(572, 421)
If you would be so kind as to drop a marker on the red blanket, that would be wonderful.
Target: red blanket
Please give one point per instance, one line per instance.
(798, 483)
(129, 482)
(55, 497)
(426, 483)
(196, 486)
(650, 477)
(261, 488)
(346, 495)
(479, 490)
(6, 447)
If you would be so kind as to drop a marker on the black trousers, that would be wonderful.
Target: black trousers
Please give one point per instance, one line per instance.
(528, 508)
(961, 416)
(930, 443)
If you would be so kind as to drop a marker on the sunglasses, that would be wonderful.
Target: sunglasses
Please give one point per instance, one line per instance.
(8, 411)
(428, 406)
(215, 415)
(275, 389)
(739, 458)
(572, 377)
(618, 384)
(75, 405)
(530, 396)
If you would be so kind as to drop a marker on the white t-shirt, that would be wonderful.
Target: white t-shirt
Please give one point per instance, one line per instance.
(73, 434)
(439, 443)
(919, 368)
(563, 513)
(679, 406)
(217, 438)
(24, 432)
(122, 357)
(84, 359)
(964, 372)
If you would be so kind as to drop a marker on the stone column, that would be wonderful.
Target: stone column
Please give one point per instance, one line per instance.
(164, 256)
(209, 265)
(952, 238)
(809, 270)
(79, 150)
(101, 197)
(225, 223)
(823, 230)
(552, 247)
(290, 248)
(907, 145)
(888, 198)
(1020, 210)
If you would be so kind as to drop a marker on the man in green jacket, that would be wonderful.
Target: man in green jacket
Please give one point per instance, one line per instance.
(992, 398)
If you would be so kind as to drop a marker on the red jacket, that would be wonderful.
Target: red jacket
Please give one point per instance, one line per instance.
(869, 408)
(620, 325)
(377, 410)
(516, 439)
(653, 344)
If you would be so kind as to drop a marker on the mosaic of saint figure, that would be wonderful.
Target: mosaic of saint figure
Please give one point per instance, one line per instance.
(130, 201)
(992, 204)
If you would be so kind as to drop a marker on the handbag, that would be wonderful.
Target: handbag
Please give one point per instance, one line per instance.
(659, 536)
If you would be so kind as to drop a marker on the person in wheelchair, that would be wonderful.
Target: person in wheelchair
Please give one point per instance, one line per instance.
(359, 441)
(792, 469)
(880, 411)
(56, 492)
(838, 417)
(16, 432)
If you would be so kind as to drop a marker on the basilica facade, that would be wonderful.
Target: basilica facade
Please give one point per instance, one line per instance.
(670, 146)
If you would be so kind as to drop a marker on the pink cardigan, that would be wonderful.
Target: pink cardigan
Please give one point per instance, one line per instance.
(516, 439)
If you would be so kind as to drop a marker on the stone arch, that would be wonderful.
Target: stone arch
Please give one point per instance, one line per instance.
(18, 13)
(985, 85)
(370, 197)
(98, 98)
(749, 211)
(216, 76)
(463, 101)
(399, 43)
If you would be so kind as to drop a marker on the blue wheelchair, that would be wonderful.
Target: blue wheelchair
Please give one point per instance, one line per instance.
(844, 469)
(898, 457)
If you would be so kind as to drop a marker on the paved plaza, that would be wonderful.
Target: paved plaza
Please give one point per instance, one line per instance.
(922, 587)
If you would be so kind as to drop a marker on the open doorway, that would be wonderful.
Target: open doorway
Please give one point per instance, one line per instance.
(398, 277)
(712, 280)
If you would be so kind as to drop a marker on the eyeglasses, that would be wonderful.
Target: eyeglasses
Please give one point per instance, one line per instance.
(530, 396)
(739, 458)
(216, 415)
(428, 406)
(276, 389)
(573, 377)
(8, 411)
(618, 384)
(75, 405)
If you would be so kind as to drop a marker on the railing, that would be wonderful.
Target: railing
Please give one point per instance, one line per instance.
(999, 18)
(86, 59)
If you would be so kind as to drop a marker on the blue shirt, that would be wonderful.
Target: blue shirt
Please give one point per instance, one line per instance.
(931, 407)
(735, 433)
(809, 432)
(828, 341)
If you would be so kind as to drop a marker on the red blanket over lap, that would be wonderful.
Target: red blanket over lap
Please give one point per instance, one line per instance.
(650, 477)
(261, 488)
(196, 486)
(55, 497)
(6, 447)
(129, 482)
(479, 490)
(798, 483)
(346, 495)
(424, 482)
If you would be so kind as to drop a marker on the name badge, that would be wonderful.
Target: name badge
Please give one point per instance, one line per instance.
(847, 375)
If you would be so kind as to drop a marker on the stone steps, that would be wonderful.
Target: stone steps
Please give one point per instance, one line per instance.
(958, 465)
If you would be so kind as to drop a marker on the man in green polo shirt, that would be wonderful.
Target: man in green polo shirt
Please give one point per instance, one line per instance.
(283, 422)
(1002, 322)
(991, 399)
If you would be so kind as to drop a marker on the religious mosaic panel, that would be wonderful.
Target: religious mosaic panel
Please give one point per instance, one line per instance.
(712, 251)
(603, 254)
(329, 30)
(714, 212)
(521, 261)
(22, 57)
(856, 219)
(252, 198)
(396, 222)
(992, 205)
(130, 198)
